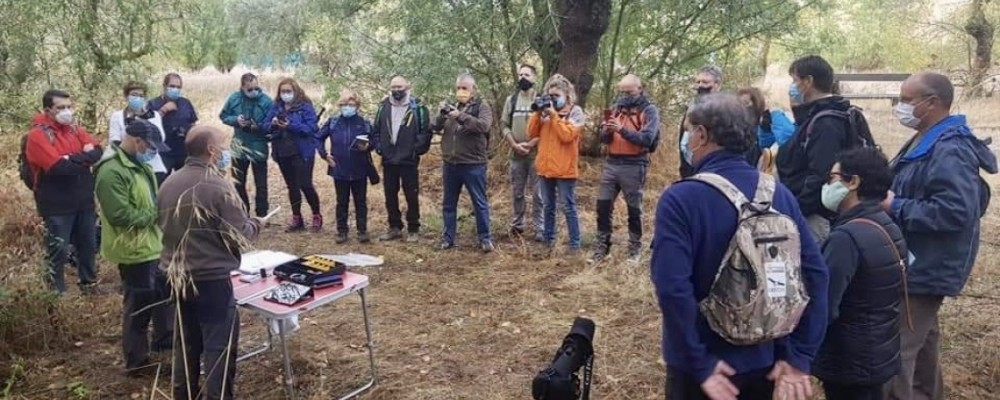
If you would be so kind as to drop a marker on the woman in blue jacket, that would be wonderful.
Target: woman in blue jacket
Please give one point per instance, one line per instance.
(291, 126)
(773, 127)
(349, 161)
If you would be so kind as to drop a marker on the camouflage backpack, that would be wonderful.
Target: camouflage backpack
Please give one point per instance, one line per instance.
(758, 293)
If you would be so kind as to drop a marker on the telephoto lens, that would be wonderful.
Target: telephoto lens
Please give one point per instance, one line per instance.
(559, 381)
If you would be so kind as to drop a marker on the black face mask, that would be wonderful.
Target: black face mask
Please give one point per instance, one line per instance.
(525, 84)
(398, 94)
(703, 90)
(628, 100)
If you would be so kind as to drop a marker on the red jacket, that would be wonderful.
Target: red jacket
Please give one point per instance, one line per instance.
(64, 183)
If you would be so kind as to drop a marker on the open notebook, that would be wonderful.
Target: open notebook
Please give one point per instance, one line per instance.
(254, 261)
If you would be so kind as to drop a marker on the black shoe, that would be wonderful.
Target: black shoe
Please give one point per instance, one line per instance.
(393, 234)
(445, 245)
(363, 237)
(487, 246)
(341, 238)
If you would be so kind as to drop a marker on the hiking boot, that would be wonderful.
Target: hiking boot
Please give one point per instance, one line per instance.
(317, 223)
(91, 289)
(363, 237)
(487, 246)
(412, 237)
(445, 245)
(602, 247)
(296, 225)
(634, 252)
(341, 238)
(392, 234)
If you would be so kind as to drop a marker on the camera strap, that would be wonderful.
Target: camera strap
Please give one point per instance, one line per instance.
(588, 371)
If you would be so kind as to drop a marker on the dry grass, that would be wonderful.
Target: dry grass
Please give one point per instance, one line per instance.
(453, 325)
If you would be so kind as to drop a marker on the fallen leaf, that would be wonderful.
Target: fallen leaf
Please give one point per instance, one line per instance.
(426, 358)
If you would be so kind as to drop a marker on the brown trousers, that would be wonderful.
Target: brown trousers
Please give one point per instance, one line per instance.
(920, 375)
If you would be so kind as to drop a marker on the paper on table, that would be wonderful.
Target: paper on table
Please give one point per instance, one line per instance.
(356, 259)
(252, 262)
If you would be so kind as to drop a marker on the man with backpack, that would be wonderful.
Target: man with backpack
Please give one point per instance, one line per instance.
(631, 132)
(827, 125)
(57, 156)
(523, 150)
(720, 341)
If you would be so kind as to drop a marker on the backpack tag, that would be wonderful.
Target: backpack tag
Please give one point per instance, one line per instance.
(777, 279)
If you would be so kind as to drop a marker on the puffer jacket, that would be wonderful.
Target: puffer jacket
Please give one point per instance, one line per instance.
(351, 164)
(861, 346)
(940, 199)
(298, 139)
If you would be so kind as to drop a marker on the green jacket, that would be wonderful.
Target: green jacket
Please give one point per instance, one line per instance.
(248, 143)
(126, 192)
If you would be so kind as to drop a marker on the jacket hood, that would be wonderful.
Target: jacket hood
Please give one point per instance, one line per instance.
(987, 157)
(951, 129)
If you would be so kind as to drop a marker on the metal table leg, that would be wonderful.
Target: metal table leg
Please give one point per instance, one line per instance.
(289, 389)
(371, 351)
(265, 347)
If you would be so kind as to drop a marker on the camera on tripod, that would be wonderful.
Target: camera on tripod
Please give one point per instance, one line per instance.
(561, 380)
(542, 102)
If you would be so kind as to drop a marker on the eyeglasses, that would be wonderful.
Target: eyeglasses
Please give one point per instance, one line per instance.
(843, 177)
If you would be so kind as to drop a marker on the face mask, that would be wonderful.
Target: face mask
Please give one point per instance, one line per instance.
(627, 100)
(834, 194)
(146, 156)
(685, 151)
(525, 84)
(136, 103)
(348, 111)
(65, 117)
(399, 95)
(224, 160)
(703, 90)
(287, 97)
(173, 93)
(463, 96)
(794, 94)
(559, 102)
(251, 94)
(904, 113)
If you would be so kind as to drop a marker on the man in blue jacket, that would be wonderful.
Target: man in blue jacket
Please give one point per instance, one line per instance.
(937, 199)
(694, 226)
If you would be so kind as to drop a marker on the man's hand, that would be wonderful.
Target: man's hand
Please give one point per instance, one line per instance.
(454, 114)
(522, 149)
(330, 160)
(613, 125)
(718, 386)
(88, 147)
(168, 107)
(887, 203)
(789, 382)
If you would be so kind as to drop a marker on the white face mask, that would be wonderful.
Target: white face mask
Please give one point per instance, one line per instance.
(287, 97)
(833, 194)
(904, 113)
(65, 117)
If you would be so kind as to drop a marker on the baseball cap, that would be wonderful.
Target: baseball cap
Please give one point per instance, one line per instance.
(145, 130)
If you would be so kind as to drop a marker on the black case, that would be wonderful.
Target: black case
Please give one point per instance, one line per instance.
(297, 272)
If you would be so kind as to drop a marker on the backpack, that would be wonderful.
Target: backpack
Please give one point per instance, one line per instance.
(758, 294)
(22, 159)
(859, 134)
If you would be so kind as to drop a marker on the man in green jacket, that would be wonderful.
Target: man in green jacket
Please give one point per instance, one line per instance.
(245, 111)
(126, 190)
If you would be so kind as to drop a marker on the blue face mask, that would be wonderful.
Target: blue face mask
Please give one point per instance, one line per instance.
(794, 94)
(560, 102)
(251, 94)
(146, 156)
(685, 151)
(173, 93)
(224, 160)
(136, 103)
(348, 111)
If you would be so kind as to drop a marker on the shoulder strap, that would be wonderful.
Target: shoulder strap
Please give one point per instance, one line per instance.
(765, 189)
(513, 110)
(723, 185)
(49, 133)
(824, 113)
(899, 260)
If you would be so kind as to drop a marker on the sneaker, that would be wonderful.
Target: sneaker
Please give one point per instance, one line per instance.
(296, 225)
(412, 237)
(363, 237)
(634, 252)
(487, 246)
(317, 223)
(341, 238)
(392, 234)
(445, 245)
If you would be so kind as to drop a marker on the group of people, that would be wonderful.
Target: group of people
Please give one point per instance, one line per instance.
(878, 244)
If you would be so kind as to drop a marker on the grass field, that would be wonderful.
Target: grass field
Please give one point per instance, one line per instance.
(448, 325)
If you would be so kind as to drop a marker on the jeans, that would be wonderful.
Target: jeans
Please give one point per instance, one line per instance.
(240, 169)
(844, 392)
(628, 180)
(473, 177)
(298, 174)
(345, 190)
(522, 177)
(567, 193)
(753, 385)
(143, 285)
(78, 230)
(409, 177)
(210, 327)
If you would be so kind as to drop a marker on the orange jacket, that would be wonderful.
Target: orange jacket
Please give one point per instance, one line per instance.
(558, 143)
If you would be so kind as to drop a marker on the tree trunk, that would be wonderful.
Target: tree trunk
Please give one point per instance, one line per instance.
(583, 24)
(981, 30)
(765, 52)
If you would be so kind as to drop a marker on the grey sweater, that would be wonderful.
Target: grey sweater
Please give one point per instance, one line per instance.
(204, 223)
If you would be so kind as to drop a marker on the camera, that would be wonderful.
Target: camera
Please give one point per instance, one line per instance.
(561, 380)
(542, 102)
(283, 117)
(447, 109)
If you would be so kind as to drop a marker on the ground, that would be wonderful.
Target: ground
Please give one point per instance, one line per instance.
(447, 325)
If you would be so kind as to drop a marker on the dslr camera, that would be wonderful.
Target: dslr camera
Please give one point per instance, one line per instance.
(447, 108)
(542, 102)
(283, 117)
(561, 380)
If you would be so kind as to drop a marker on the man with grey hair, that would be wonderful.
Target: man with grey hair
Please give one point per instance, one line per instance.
(465, 129)
(631, 132)
(707, 80)
(695, 224)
